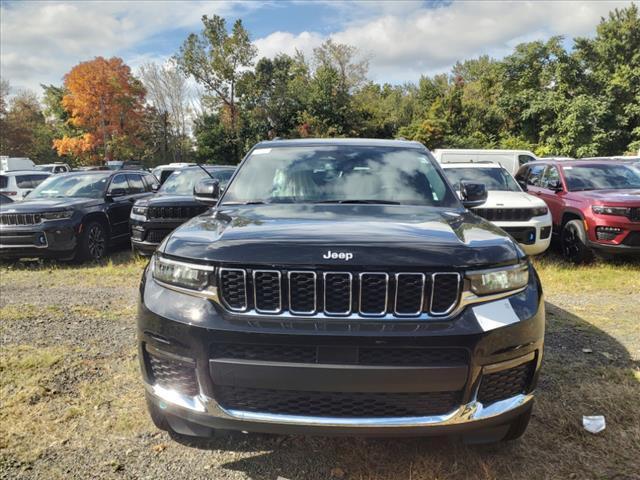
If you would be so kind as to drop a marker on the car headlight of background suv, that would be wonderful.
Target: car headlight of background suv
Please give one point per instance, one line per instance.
(499, 280)
(60, 215)
(186, 276)
(140, 211)
(539, 211)
(605, 210)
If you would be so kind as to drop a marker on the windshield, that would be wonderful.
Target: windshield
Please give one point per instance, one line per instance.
(47, 168)
(85, 186)
(181, 182)
(340, 174)
(493, 178)
(600, 177)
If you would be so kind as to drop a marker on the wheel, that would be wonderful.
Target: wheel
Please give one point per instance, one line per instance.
(573, 240)
(518, 426)
(93, 242)
(157, 417)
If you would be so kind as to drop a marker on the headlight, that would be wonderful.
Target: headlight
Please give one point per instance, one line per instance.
(539, 211)
(180, 274)
(499, 279)
(61, 215)
(140, 211)
(604, 210)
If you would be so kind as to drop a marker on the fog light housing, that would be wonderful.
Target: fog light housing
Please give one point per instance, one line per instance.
(607, 233)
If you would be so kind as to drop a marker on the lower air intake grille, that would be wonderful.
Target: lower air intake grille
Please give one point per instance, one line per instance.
(361, 355)
(334, 404)
(157, 235)
(173, 375)
(506, 383)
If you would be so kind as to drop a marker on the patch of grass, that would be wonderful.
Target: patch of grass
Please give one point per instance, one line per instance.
(558, 276)
(120, 268)
(92, 399)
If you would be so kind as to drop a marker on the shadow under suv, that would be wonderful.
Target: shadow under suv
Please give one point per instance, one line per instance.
(153, 218)
(341, 287)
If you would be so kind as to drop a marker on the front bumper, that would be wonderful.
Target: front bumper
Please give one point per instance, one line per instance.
(181, 331)
(538, 227)
(51, 239)
(147, 235)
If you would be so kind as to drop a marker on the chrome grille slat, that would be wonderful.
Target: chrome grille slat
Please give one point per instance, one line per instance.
(235, 298)
(296, 279)
(265, 294)
(332, 284)
(287, 294)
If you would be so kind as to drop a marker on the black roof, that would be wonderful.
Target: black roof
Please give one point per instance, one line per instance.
(356, 142)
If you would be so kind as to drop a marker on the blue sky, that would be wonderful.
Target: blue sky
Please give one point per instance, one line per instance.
(41, 41)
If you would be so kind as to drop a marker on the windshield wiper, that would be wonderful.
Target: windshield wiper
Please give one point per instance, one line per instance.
(364, 202)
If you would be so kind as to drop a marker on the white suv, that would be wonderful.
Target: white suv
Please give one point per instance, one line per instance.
(17, 183)
(525, 217)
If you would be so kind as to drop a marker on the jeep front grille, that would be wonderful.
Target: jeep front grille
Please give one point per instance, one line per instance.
(20, 218)
(338, 293)
(505, 214)
(174, 212)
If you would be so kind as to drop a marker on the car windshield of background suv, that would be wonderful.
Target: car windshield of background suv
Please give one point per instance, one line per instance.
(181, 182)
(340, 174)
(493, 178)
(84, 186)
(600, 177)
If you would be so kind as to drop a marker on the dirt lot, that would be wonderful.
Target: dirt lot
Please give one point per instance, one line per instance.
(72, 405)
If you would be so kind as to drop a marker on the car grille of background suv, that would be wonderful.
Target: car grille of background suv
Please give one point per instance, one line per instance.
(174, 212)
(336, 404)
(338, 293)
(634, 214)
(504, 214)
(20, 218)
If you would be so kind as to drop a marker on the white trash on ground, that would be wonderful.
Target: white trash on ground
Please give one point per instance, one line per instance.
(593, 423)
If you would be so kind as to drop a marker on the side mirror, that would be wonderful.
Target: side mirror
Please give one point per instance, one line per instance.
(523, 185)
(155, 187)
(207, 191)
(556, 186)
(117, 192)
(473, 194)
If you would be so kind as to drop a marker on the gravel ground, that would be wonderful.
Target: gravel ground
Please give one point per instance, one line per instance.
(72, 405)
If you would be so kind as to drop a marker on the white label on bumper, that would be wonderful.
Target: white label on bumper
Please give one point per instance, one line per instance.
(495, 315)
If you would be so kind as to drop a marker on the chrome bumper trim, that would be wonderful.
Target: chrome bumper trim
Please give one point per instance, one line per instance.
(471, 412)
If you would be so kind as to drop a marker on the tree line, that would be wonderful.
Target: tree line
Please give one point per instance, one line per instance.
(214, 99)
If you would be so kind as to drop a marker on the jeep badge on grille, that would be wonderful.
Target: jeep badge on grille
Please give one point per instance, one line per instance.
(346, 256)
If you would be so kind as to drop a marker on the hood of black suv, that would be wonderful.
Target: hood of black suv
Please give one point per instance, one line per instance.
(345, 235)
(38, 205)
(169, 200)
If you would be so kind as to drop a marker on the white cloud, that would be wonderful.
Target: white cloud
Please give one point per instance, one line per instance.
(41, 41)
(403, 44)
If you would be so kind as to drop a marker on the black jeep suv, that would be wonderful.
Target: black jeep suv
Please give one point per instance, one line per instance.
(153, 218)
(340, 286)
(73, 215)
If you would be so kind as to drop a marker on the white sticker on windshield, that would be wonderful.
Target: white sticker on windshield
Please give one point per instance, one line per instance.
(568, 168)
(261, 151)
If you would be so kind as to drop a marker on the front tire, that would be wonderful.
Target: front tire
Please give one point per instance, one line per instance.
(92, 244)
(573, 241)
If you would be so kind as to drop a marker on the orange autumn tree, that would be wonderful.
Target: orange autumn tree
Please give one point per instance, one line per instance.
(105, 103)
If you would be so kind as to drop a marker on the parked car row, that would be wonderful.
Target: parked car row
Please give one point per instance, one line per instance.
(79, 215)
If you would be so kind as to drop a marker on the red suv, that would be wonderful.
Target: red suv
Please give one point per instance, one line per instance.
(595, 205)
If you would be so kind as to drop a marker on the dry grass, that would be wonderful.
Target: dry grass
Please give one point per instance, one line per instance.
(76, 410)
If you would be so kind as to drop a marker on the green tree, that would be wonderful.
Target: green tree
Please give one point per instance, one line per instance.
(217, 60)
